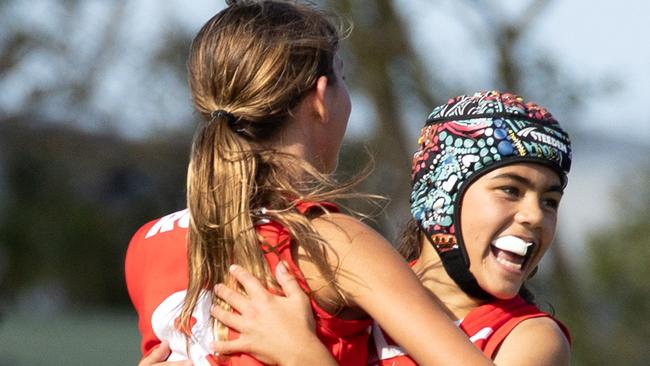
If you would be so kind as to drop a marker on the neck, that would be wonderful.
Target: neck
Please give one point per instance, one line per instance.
(297, 139)
(433, 276)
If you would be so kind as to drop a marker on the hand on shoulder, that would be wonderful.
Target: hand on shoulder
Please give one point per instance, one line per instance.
(376, 279)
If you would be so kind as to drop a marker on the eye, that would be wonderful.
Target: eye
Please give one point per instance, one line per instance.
(510, 190)
(553, 203)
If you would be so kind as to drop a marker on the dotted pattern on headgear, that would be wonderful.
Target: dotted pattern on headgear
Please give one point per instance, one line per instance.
(467, 137)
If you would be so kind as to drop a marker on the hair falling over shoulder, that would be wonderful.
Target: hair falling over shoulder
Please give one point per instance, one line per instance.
(409, 244)
(249, 66)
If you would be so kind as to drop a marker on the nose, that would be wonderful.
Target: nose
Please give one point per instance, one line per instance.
(530, 212)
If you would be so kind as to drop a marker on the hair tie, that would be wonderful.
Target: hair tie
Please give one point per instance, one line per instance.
(229, 117)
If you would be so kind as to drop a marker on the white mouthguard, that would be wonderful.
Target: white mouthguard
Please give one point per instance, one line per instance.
(512, 244)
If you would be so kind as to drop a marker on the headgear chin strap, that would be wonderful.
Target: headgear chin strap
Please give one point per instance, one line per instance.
(464, 139)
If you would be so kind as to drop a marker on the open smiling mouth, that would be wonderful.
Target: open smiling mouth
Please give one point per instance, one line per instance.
(511, 251)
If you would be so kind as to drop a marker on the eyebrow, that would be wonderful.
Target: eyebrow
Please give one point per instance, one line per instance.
(527, 182)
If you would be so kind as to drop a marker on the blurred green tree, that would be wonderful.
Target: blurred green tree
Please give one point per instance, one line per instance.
(72, 202)
(73, 189)
(620, 291)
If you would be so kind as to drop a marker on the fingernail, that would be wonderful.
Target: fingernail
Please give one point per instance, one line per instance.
(281, 269)
(233, 267)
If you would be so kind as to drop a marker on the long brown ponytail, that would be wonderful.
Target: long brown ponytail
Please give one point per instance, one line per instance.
(248, 67)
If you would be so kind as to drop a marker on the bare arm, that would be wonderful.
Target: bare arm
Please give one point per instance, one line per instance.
(267, 322)
(377, 279)
(535, 342)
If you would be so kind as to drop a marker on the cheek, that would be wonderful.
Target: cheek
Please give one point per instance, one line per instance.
(550, 226)
(477, 226)
(480, 217)
(547, 239)
(534, 262)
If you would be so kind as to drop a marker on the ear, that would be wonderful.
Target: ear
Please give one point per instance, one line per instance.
(319, 99)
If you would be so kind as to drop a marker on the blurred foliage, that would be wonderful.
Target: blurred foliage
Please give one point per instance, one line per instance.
(72, 201)
(620, 272)
(72, 188)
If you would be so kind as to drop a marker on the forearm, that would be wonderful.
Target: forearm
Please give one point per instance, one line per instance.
(386, 288)
(423, 329)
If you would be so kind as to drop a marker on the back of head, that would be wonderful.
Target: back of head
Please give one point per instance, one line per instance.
(464, 139)
(257, 59)
(249, 66)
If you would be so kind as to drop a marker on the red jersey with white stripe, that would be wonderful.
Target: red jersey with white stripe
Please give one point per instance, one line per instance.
(486, 326)
(157, 276)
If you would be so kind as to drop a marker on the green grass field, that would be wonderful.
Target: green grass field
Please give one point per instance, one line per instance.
(81, 339)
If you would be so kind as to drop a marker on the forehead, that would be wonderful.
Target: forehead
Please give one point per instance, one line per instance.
(536, 173)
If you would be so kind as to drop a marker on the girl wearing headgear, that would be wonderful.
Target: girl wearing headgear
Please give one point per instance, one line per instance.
(266, 77)
(487, 181)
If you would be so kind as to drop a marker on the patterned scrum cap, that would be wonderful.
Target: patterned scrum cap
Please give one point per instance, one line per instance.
(464, 139)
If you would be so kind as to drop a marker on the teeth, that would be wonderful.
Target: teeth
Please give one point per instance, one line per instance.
(509, 264)
(512, 244)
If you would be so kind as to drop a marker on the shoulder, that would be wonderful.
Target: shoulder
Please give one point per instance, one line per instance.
(363, 259)
(163, 231)
(345, 229)
(169, 224)
(542, 338)
(350, 238)
(156, 251)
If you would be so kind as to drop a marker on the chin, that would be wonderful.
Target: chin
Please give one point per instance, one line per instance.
(502, 292)
(505, 295)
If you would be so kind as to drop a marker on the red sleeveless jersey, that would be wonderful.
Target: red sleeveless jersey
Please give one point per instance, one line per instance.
(157, 276)
(486, 326)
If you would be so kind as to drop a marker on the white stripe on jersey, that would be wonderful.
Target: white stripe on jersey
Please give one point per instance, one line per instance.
(167, 223)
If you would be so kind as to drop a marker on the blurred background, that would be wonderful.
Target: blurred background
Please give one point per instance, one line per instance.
(96, 123)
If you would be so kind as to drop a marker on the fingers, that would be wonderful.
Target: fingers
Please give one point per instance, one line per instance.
(288, 282)
(159, 354)
(228, 347)
(256, 292)
(251, 284)
(228, 318)
(235, 299)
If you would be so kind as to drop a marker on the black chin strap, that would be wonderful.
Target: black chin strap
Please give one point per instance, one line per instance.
(457, 269)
